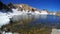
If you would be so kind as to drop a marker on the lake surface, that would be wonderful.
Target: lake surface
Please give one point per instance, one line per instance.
(52, 21)
(35, 24)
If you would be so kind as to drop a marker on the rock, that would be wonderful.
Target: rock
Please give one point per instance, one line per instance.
(3, 6)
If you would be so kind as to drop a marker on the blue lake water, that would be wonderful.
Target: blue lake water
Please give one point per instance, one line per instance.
(50, 21)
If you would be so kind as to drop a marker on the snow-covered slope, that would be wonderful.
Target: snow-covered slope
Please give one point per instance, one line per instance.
(5, 17)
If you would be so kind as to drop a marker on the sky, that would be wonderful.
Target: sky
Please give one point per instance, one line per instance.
(50, 5)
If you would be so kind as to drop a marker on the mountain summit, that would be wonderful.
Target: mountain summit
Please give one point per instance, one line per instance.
(20, 7)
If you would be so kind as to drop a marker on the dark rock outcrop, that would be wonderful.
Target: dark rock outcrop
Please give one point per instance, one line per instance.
(1, 5)
(5, 7)
(11, 5)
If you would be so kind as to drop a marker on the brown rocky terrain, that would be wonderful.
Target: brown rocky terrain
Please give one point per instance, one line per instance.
(24, 7)
(58, 13)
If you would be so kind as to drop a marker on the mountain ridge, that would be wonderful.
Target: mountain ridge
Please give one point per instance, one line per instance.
(9, 6)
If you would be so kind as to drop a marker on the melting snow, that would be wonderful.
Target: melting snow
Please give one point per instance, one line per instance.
(5, 17)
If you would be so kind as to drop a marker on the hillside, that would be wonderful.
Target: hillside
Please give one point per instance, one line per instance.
(20, 7)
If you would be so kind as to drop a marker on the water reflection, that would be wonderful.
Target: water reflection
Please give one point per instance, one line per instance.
(34, 24)
(43, 16)
(50, 21)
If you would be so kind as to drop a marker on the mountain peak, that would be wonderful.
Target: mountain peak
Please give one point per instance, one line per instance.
(24, 6)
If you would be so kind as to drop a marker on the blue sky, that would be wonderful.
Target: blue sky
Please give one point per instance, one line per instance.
(50, 5)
